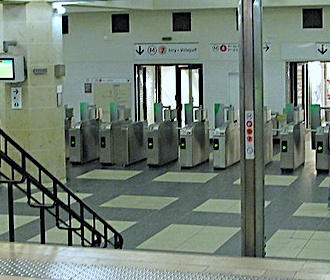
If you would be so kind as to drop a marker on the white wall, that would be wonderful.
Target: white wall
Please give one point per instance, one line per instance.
(90, 50)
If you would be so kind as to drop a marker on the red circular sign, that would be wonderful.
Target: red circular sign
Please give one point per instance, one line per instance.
(249, 138)
(249, 124)
(249, 131)
(223, 48)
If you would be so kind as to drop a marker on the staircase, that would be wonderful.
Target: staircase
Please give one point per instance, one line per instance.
(71, 213)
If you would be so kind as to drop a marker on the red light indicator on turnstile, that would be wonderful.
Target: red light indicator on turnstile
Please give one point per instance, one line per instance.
(249, 138)
(249, 131)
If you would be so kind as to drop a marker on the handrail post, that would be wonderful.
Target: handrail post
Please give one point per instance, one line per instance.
(11, 213)
(42, 226)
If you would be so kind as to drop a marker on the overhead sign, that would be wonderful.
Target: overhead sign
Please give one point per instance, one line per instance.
(103, 80)
(232, 48)
(160, 51)
(322, 48)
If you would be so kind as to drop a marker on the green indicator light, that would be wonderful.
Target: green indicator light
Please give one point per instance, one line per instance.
(319, 148)
(284, 147)
(182, 144)
(150, 144)
(216, 145)
(72, 142)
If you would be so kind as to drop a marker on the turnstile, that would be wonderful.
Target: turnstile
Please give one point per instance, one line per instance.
(194, 138)
(129, 143)
(268, 137)
(84, 138)
(226, 137)
(292, 139)
(162, 137)
(322, 138)
(67, 126)
(106, 143)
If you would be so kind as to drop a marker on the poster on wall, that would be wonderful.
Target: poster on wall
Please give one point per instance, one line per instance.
(161, 51)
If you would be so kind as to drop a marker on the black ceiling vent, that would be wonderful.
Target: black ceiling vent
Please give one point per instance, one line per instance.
(120, 23)
(312, 18)
(181, 21)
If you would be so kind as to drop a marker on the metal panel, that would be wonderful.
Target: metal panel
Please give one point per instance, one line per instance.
(162, 143)
(196, 150)
(251, 97)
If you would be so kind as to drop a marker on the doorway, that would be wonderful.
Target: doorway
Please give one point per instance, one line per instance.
(309, 84)
(173, 85)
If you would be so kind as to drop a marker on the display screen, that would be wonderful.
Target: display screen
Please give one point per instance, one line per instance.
(7, 69)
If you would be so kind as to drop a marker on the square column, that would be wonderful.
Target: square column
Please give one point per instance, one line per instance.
(39, 125)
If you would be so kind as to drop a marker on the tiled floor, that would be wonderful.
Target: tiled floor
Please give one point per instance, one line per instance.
(222, 206)
(61, 195)
(189, 238)
(304, 244)
(275, 180)
(195, 210)
(103, 174)
(19, 220)
(140, 202)
(325, 183)
(57, 236)
(309, 209)
(186, 177)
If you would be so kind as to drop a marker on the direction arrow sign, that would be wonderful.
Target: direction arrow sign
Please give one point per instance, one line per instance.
(322, 48)
(140, 50)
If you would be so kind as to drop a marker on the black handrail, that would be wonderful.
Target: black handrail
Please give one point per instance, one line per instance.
(97, 236)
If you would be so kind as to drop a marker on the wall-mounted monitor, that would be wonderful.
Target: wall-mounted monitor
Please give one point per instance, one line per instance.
(12, 69)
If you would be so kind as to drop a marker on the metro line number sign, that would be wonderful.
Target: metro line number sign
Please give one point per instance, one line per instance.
(153, 51)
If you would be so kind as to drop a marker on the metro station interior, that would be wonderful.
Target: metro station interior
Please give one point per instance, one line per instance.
(129, 149)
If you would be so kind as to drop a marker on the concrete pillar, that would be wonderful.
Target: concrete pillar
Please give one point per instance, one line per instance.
(39, 126)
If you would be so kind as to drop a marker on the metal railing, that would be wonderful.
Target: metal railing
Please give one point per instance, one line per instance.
(72, 215)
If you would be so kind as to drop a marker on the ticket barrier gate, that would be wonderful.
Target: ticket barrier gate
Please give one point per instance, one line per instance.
(226, 137)
(67, 126)
(84, 136)
(322, 139)
(268, 136)
(292, 139)
(194, 138)
(119, 115)
(162, 137)
(129, 142)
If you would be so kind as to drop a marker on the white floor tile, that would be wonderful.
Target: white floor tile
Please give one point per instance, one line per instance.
(308, 209)
(140, 202)
(275, 180)
(325, 183)
(107, 174)
(231, 206)
(185, 177)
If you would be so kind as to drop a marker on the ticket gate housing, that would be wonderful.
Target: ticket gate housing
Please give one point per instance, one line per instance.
(226, 137)
(129, 143)
(268, 137)
(292, 139)
(84, 138)
(106, 143)
(194, 139)
(226, 145)
(162, 143)
(322, 138)
(194, 144)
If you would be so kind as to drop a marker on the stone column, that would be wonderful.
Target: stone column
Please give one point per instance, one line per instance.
(39, 125)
